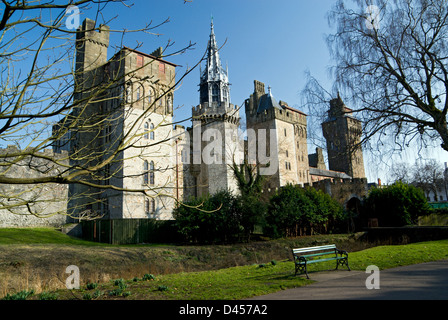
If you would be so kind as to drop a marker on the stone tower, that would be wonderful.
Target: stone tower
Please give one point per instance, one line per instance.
(214, 136)
(91, 45)
(343, 134)
(134, 109)
(284, 126)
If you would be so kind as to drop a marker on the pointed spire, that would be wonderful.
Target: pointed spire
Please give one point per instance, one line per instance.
(213, 76)
(213, 70)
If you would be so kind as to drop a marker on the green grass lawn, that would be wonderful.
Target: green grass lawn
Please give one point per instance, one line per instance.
(44, 235)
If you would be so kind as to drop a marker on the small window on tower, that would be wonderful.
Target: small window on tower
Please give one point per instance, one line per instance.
(215, 93)
(139, 61)
(161, 68)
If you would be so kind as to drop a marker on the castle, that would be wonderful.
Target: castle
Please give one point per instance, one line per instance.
(127, 130)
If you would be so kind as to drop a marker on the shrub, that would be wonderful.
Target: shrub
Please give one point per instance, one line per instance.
(294, 211)
(252, 213)
(209, 219)
(286, 212)
(328, 212)
(396, 205)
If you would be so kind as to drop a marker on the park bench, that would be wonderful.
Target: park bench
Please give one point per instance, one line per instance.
(305, 256)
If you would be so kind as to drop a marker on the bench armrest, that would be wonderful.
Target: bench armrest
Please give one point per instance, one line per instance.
(342, 252)
(299, 258)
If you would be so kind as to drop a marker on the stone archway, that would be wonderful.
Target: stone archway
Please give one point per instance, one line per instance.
(353, 209)
(353, 205)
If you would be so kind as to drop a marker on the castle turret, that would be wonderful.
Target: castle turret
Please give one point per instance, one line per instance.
(216, 120)
(91, 45)
(343, 134)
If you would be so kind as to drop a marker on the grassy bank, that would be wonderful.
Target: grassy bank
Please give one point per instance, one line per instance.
(37, 258)
(177, 272)
(248, 281)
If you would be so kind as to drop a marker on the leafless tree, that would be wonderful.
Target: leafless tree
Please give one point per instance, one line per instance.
(40, 86)
(401, 171)
(428, 176)
(390, 67)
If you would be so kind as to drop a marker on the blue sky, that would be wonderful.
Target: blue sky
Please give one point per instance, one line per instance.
(271, 41)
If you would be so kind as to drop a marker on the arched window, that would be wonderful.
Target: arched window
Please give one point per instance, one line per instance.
(151, 133)
(145, 172)
(151, 173)
(146, 135)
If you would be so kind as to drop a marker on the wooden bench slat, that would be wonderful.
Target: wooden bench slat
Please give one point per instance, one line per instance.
(318, 254)
(314, 248)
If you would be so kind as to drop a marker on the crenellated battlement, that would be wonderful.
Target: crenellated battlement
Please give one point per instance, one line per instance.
(216, 111)
(340, 182)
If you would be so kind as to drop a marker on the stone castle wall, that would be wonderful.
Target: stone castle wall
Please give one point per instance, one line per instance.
(47, 203)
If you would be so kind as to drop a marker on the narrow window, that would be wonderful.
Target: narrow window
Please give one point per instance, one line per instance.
(161, 68)
(145, 172)
(147, 209)
(215, 93)
(151, 133)
(139, 61)
(153, 206)
(146, 136)
(151, 173)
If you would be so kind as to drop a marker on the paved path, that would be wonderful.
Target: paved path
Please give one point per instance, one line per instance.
(426, 281)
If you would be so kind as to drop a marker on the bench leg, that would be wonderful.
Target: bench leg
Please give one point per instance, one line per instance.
(301, 268)
(342, 262)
